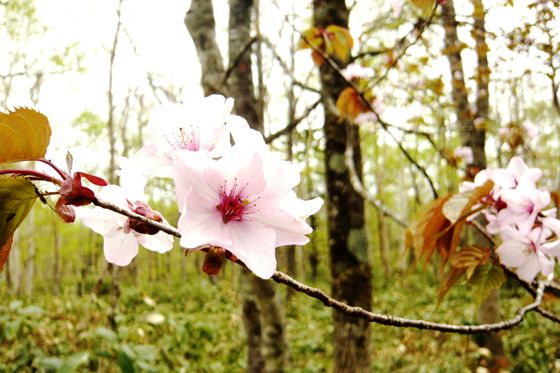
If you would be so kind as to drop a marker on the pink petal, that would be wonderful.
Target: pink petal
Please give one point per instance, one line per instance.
(203, 229)
(244, 166)
(99, 220)
(512, 254)
(160, 242)
(120, 249)
(189, 168)
(254, 245)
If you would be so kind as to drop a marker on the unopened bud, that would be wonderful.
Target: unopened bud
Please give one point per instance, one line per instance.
(143, 227)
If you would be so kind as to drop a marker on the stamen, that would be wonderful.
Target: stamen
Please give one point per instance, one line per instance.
(234, 205)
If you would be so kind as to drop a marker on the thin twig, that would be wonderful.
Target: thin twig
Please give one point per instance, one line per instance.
(235, 62)
(282, 278)
(161, 226)
(359, 187)
(370, 107)
(316, 293)
(268, 139)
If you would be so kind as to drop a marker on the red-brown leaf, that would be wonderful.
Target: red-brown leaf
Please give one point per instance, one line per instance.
(5, 252)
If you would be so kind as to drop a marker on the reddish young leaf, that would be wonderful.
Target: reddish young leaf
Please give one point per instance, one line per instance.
(429, 231)
(66, 212)
(5, 252)
(91, 178)
(349, 104)
(465, 261)
(470, 257)
(451, 278)
(77, 195)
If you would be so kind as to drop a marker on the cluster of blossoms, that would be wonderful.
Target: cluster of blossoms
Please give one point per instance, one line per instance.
(515, 210)
(234, 195)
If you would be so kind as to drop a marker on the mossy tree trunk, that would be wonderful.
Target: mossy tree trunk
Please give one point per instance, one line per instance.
(348, 244)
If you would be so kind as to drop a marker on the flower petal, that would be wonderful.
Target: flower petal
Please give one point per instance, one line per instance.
(120, 248)
(254, 244)
(203, 228)
(160, 242)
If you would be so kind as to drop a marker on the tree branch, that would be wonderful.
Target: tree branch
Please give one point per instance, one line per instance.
(282, 278)
(359, 187)
(383, 319)
(370, 107)
(268, 139)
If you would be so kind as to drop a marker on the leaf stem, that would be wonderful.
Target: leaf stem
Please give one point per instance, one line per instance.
(32, 173)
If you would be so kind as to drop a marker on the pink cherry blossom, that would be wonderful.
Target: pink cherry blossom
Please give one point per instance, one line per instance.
(243, 203)
(524, 252)
(552, 247)
(355, 70)
(465, 153)
(524, 203)
(120, 240)
(196, 126)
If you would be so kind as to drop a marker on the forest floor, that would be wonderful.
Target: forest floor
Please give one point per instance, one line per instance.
(194, 325)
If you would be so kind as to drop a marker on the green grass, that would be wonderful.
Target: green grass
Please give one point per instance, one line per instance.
(194, 325)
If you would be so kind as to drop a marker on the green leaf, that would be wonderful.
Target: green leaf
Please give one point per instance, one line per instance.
(125, 359)
(73, 362)
(48, 363)
(487, 278)
(17, 196)
(105, 333)
(24, 135)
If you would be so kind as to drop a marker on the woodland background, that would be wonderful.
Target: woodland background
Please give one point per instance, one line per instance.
(482, 74)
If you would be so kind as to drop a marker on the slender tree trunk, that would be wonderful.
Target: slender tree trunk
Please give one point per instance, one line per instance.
(252, 324)
(201, 25)
(348, 243)
(473, 136)
(265, 333)
(240, 84)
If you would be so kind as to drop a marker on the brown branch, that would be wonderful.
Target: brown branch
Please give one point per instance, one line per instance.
(383, 319)
(420, 26)
(161, 226)
(293, 124)
(370, 107)
(282, 278)
(235, 62)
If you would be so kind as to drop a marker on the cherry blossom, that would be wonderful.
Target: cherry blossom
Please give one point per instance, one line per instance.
(524, 203)
(524, 252)
(242, 203)
(354, 70)
(121, 234)
(194, 127)
(465, 153)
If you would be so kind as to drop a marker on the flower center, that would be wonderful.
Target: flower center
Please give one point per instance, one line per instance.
(233, 205)
(187, 138)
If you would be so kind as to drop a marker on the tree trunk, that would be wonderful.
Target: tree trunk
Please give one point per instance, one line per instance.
(473, 136)
(265, 333)
(240, 84)
(348, 243)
